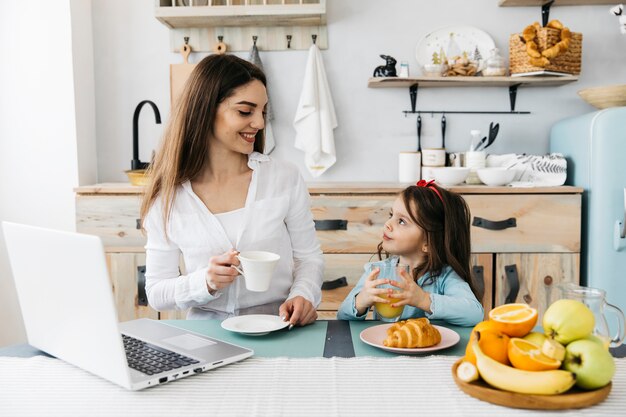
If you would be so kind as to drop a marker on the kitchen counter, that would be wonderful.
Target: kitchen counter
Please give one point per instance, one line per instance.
(352, 188)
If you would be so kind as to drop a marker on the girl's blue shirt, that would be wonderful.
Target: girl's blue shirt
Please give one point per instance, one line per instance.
(451, 298)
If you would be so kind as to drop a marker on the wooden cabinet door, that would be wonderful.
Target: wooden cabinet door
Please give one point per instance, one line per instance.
(530, 277)
(123, 274)
(123, 271)
(482, 274)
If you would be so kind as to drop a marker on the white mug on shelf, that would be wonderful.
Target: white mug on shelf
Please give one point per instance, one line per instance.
(409, 164)
(434, 157)
(257, 268)
(474, 160)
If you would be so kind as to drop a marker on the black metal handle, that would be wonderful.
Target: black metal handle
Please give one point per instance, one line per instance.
(494, 225)
(335, 283)
(512, 278)
(331, 224)
(138, 224)
(478, 275)
(142, 298)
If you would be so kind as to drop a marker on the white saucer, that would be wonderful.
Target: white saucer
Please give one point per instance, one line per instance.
(254, 324)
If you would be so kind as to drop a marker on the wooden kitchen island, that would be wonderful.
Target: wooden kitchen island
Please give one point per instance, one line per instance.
(524, 240)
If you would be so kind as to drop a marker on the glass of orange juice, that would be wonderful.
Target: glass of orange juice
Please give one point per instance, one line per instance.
(385, 311)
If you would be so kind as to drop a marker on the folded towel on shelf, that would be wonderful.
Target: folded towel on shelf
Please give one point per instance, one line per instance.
(315, 117)
(270, 143)
(533, 170)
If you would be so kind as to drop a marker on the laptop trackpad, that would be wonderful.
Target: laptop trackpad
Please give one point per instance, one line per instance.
(188, 342)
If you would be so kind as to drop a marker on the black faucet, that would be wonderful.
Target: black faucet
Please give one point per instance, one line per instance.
(136, 163)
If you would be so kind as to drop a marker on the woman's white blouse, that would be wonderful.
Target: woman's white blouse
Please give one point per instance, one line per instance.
(277, 218)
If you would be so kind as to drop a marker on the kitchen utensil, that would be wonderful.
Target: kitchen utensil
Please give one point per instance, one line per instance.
(467, 38)
(450, 175)
(496, 176)
(179, 73)
(474, 160)
(481, 143)
(419, 133)
(443, 131)
(493, 132)
(434, 157)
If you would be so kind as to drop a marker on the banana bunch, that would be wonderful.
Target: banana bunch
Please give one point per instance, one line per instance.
(516, 380)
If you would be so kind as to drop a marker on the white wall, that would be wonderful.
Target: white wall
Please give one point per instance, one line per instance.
(41, 96)
(132, 63)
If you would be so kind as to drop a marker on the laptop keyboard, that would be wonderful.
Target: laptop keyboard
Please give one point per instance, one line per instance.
(150, 359)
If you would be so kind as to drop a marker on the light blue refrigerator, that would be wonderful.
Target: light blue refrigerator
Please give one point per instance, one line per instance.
(594, 145)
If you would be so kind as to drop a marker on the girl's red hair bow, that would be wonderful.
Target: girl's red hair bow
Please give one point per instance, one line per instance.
(429, 184)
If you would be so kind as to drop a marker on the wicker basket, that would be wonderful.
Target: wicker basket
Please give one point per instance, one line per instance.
(567, 62)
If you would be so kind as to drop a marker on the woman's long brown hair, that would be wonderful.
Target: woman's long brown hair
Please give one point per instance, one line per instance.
(445, 222)
(184, 150)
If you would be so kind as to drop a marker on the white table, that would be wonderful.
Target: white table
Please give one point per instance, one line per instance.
(363, 386)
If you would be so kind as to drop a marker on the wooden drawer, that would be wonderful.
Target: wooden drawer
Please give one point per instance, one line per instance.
(543, 222)
(113, 218)
(365, 216)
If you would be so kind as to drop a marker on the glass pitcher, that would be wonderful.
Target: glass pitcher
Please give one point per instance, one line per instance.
(595, 299)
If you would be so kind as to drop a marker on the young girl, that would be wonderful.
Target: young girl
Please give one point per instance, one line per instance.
(428, 229)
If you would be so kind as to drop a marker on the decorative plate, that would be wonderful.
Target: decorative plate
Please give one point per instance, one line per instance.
(375, 335)
(455, 40)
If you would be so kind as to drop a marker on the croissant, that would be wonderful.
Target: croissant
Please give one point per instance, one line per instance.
(532, 50)
(412, 333)
(555, 24)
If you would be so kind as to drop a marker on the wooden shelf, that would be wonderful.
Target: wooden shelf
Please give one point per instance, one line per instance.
(396, 82)
(528, 3)
(242, 16)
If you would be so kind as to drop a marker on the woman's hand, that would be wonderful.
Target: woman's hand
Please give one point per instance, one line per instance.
(370, 294)
(220, 273)
(409, 293)
(298, 311)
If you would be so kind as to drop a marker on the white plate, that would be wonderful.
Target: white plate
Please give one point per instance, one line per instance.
(468, 38)
(375, 335)
(254, 324)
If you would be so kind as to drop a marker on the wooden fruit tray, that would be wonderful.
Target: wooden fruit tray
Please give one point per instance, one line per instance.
(574, 398)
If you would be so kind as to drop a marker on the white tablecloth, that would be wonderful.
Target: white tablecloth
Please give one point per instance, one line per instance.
(402, 386)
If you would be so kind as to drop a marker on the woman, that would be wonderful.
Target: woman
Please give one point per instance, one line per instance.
(213, 194)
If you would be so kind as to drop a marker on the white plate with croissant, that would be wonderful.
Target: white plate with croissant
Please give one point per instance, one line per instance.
(410, 336)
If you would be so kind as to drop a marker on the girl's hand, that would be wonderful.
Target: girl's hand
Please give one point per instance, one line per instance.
(409, 293)
(369, 293)
(220, 273)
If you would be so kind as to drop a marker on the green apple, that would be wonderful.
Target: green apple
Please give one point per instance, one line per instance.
(536, 338)
(568, 320)
(593, 365)
(605, 343)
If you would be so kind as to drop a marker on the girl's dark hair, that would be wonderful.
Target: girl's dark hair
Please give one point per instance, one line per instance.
(184, 150)
(445, 222)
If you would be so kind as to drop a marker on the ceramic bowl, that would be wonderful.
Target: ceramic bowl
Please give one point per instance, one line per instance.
(450, 175)
(605, 97)
(434, 70)
(495, 176)
(137, 176)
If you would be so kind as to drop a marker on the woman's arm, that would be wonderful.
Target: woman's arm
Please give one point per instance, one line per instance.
(307, 255)
(166, 288)
(455, 302)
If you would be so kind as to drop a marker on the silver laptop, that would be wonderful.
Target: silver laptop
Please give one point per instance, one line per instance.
(69, 312)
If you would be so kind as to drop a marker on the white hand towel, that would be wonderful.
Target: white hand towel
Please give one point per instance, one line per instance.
(315, 117)
(269, 114)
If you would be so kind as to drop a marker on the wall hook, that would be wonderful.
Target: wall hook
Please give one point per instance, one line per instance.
(288, 41)
(254, 38)
(314, 37)
(186, 38)
(220, 38)
(220, 47)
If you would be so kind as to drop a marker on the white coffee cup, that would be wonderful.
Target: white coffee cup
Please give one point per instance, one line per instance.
(434, 157)
(257, 268)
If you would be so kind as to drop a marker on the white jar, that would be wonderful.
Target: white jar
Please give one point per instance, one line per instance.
(474, 160)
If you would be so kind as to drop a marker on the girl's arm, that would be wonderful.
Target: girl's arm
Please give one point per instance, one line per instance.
(455, 302)
(347, 309)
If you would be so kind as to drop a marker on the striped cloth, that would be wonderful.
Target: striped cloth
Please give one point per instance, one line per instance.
(363, 386)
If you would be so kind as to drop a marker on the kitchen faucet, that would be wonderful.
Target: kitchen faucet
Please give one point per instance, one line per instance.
(136, 163)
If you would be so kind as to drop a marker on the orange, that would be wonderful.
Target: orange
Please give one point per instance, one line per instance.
(527, 355)
(492, 342)
(515, 320)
